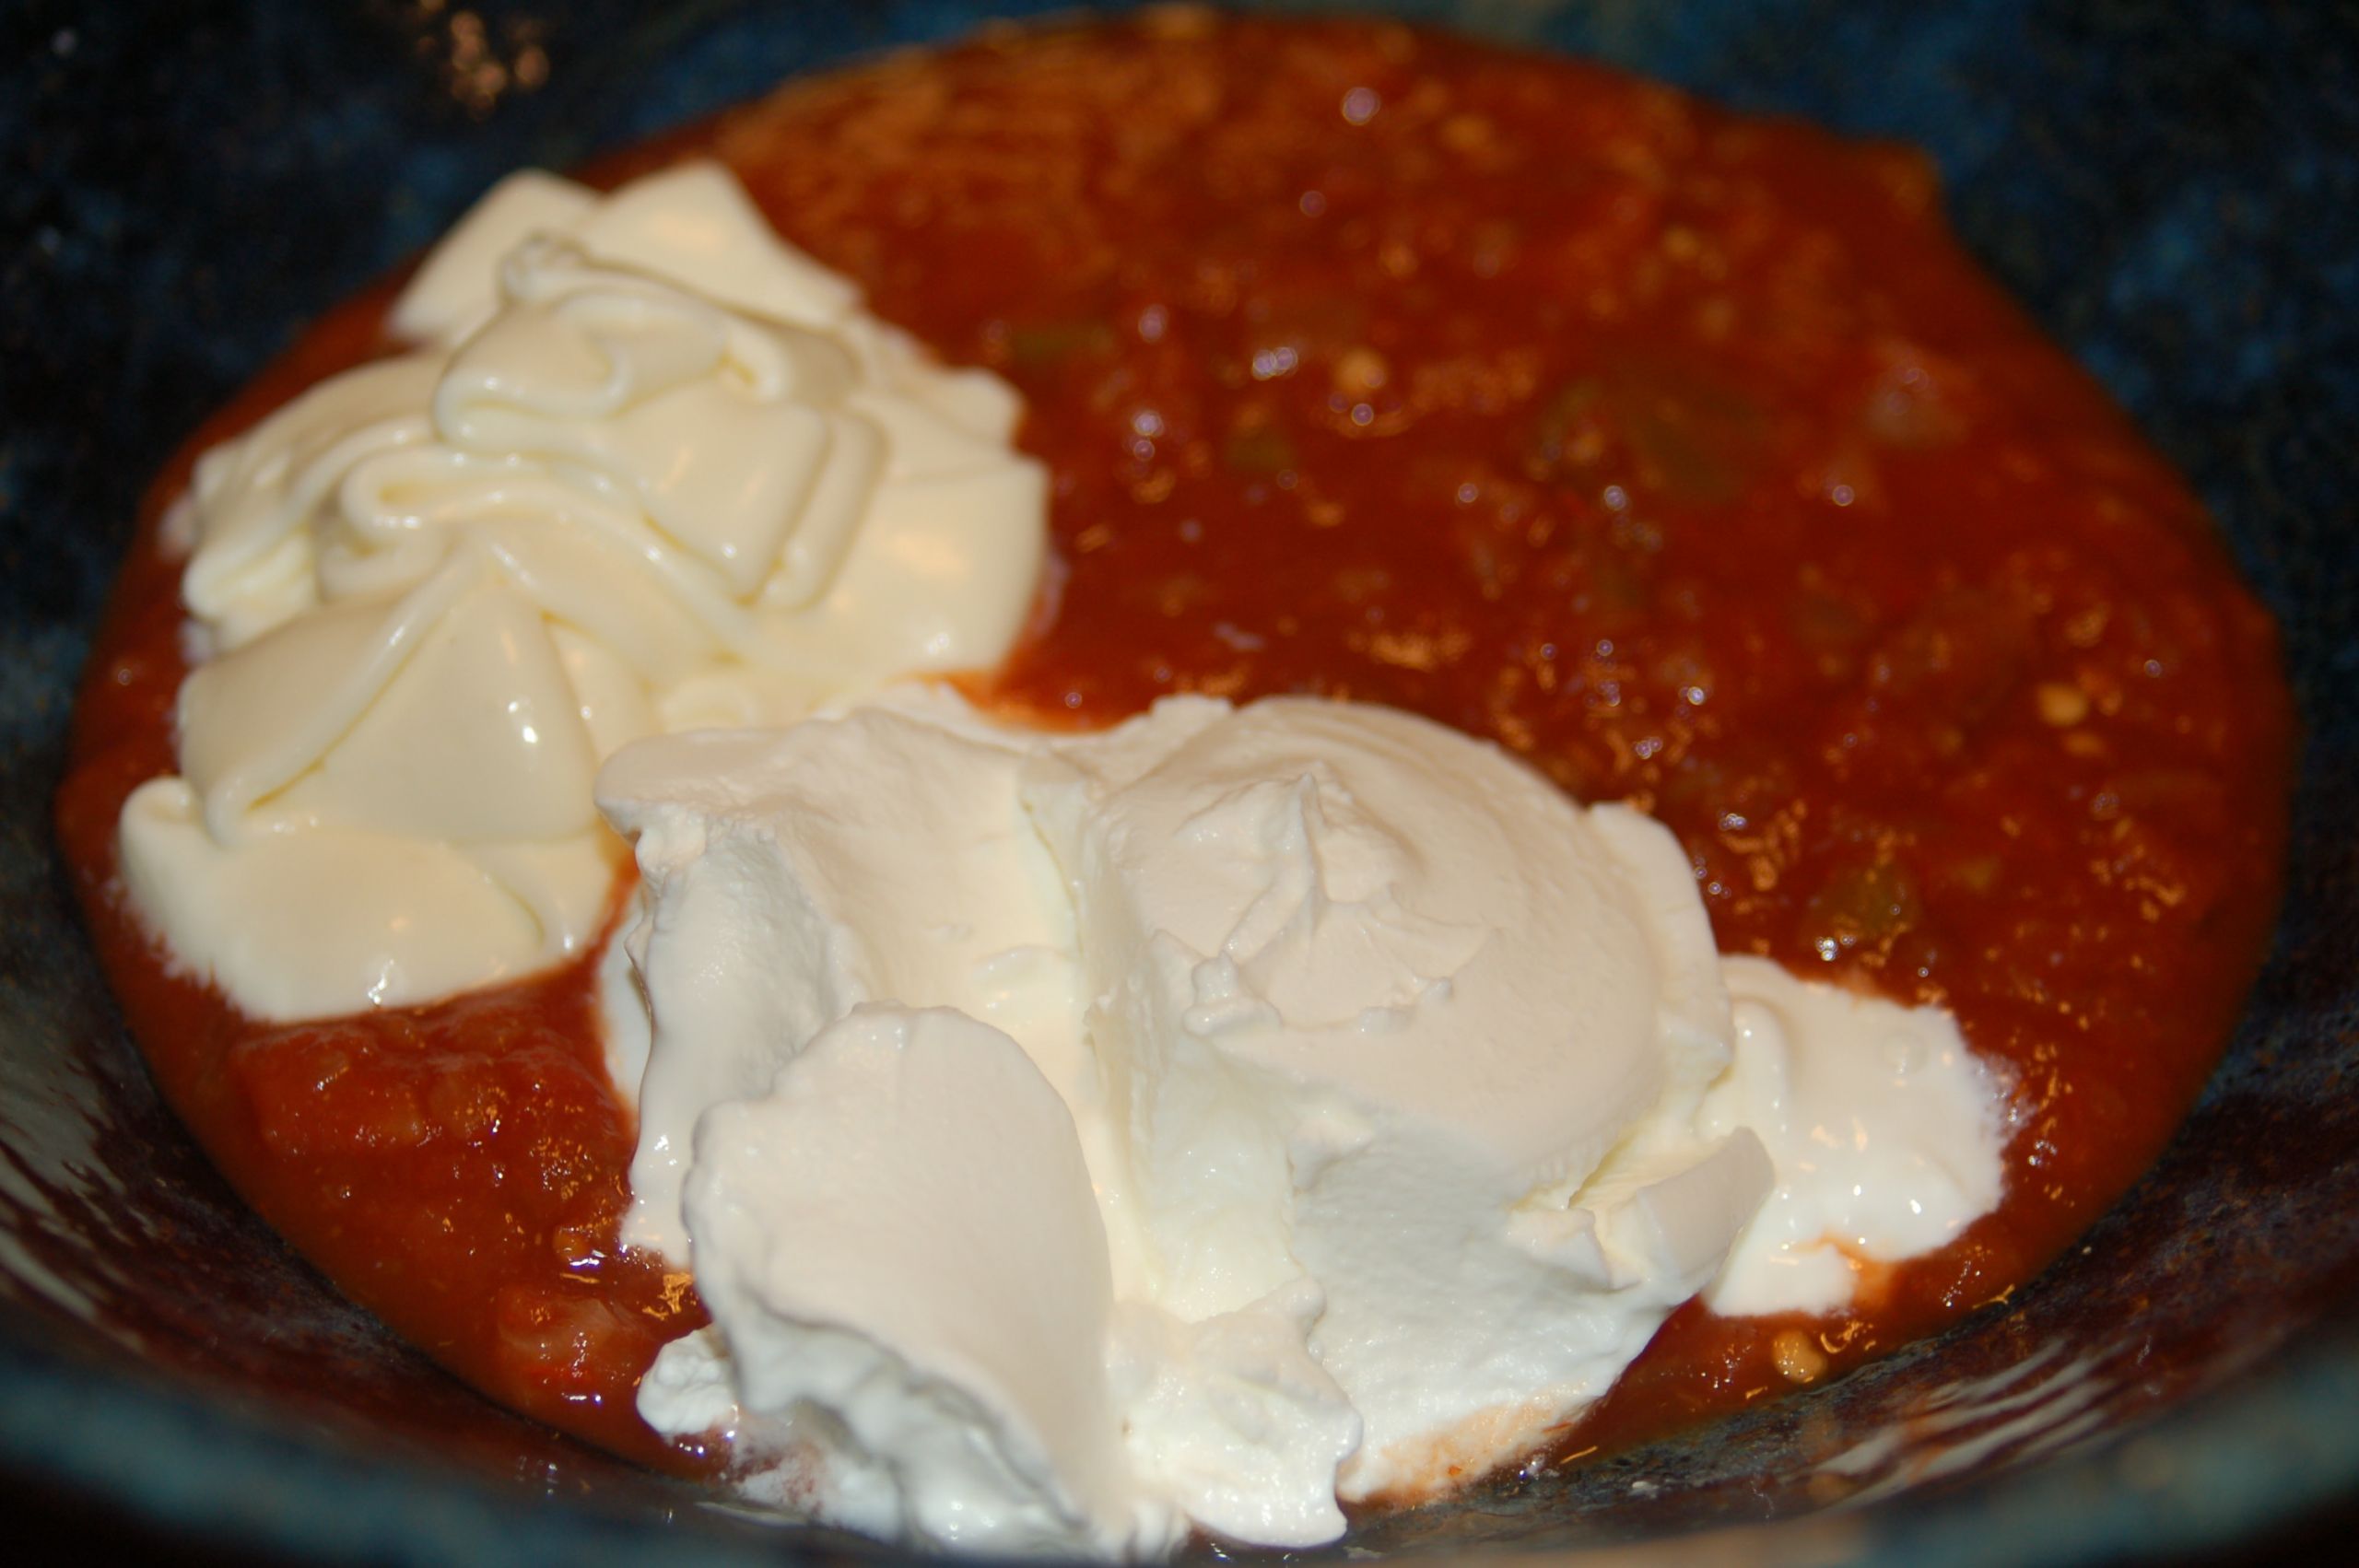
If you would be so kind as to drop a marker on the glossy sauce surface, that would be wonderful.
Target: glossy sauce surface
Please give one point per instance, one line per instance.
(1682, 453)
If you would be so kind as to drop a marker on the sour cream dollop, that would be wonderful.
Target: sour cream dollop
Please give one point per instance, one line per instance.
(641, 467)
(1407, 1096)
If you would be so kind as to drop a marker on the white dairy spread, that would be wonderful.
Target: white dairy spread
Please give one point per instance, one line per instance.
(642, 467)
(1340, 1107)
(1884, 1129)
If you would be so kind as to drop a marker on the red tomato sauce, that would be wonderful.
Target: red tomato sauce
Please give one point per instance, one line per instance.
(1683, 453)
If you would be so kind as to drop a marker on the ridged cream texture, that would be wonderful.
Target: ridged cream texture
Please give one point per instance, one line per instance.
(641, 468)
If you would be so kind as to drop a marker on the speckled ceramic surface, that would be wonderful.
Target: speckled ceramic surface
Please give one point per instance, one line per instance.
(2175, 190)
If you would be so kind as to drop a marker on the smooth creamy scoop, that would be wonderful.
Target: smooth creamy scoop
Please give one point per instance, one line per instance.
(644, 468)
(1409, 1093)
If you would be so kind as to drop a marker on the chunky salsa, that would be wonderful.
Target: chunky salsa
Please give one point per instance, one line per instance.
(1683, 453)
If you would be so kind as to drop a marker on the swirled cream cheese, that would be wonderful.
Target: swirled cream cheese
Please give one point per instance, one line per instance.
(642, 467)
(1295, 1103)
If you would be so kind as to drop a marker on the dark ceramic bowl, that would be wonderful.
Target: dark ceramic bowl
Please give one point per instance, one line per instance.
(2173, 192)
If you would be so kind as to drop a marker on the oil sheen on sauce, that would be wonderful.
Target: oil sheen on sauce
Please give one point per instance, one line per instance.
(1683, 453)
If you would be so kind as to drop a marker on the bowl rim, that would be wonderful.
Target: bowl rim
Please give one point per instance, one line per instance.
(2273, 1446)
